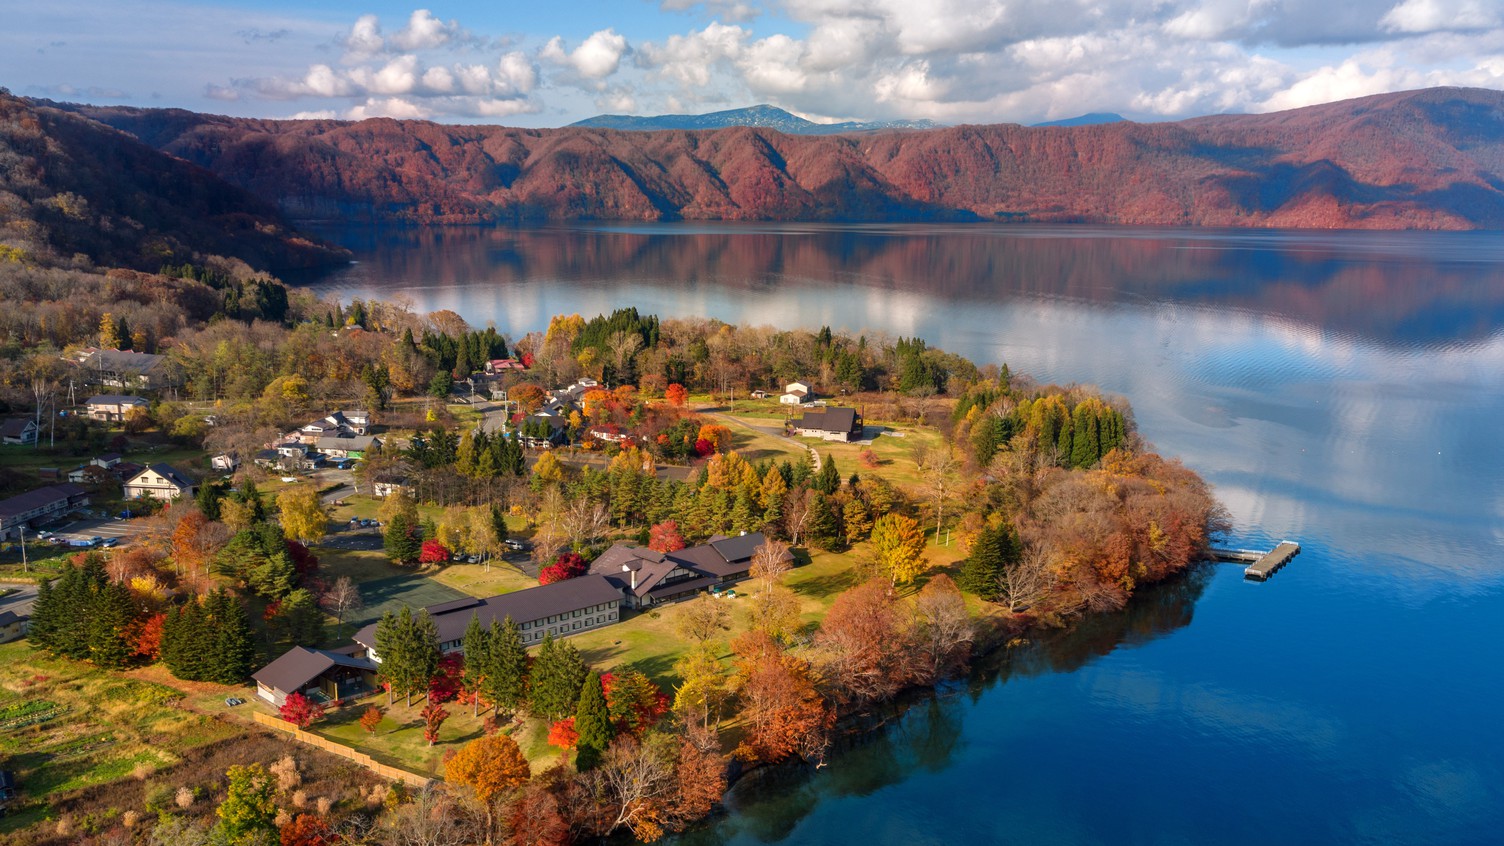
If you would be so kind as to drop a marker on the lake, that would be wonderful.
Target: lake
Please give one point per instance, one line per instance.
(1345, 390)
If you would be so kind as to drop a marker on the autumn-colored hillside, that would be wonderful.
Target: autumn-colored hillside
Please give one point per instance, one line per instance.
(72, 187)
(1422, 159)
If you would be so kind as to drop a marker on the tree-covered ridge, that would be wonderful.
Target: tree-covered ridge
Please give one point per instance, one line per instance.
(75, 191)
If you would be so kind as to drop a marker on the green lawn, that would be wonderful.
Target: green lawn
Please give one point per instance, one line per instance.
(398, 740)
(483, 580)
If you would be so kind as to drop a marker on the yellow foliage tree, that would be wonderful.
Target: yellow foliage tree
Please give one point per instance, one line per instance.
(304, 517)
(548, 468)
(898, 547)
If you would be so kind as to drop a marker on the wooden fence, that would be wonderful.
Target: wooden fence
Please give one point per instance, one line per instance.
(361, 758)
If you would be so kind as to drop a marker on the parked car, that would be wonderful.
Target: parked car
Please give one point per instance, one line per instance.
(110, 541)
(516, 545)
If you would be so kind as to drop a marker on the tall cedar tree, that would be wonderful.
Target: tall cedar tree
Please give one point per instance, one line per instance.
(477, 648)
(409, 648)
(557, 675)
(505, 676)
(232, 644)
(403, 539)
(992, 552)
(593, 722)
(828, 480)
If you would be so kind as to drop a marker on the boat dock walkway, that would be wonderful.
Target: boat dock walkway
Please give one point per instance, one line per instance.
(1261, 565)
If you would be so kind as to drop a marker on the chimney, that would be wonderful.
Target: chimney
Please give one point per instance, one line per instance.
(627, 568)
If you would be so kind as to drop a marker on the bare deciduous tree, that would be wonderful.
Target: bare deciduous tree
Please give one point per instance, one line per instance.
(341, 598)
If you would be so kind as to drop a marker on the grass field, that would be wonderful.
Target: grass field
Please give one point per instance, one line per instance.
(66, 725)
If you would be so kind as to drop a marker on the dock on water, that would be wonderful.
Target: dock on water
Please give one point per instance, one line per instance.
(1261, 565)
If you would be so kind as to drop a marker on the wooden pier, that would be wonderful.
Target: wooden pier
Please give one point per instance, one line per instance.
(1261, 565)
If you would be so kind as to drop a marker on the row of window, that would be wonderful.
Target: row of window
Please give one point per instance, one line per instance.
(569, 627)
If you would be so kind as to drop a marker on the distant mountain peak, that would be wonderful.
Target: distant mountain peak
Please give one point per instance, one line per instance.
(1091, 119)
(762, 115)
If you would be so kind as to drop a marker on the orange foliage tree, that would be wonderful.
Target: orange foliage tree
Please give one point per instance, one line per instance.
(868, 654)
(782, 709)
(676, 394)
(370, 719)
(562, 734)
(307, 830)
(491, 766)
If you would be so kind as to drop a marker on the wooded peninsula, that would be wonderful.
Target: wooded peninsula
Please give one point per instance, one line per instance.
(537, 590)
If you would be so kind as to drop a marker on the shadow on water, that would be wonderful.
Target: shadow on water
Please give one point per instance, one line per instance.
(768, 804)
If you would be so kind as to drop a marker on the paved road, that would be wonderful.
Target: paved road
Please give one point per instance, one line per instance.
(85, 529)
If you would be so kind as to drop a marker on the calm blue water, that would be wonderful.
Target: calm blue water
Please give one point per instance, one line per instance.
(1342, 389)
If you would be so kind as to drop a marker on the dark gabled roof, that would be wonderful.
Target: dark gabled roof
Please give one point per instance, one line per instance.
(7, 617)
(39, 498)
(523, 606)
(300, 665)
(829, 420)
(168, 472)
(15, 427)
(123, 360)
(116, 399)
(739, 548)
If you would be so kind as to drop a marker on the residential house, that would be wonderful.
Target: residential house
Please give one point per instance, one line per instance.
(320, 674)
(19, 431)
(339, 424)
(831, 424)
(159, 481)
(112, 408)
(796, 393)
(503, 365)
(13, 626)
(24, 511)
(348, 447)
(557, 431)
(561, 609)
(100, 469)
(133, 370)
(385, 484)
(646, 577)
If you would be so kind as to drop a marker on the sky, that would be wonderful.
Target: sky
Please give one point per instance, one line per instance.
(552, 62)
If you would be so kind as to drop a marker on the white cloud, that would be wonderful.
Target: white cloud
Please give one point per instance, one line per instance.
(597, 57)
(391, 107)
(1417, 16)
(425, 32)
(516, 74)
(426, 69)
(321, 114)
(364, 40)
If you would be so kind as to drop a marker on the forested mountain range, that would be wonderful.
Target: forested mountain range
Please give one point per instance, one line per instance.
(74, 190)
(1432, 158)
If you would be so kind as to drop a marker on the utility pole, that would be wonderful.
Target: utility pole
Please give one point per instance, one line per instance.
(25, 566)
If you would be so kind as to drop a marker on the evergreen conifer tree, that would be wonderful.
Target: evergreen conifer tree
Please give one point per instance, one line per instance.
(477, 647)
(592, 720)
(506, 673)
(828, 480)
(106, 622)
(228, 635)
(557, 675)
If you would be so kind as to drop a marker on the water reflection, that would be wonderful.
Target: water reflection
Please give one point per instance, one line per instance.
(769, 805)
(1411, 287)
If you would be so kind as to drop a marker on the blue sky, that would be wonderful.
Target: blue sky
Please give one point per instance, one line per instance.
(550, 63)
